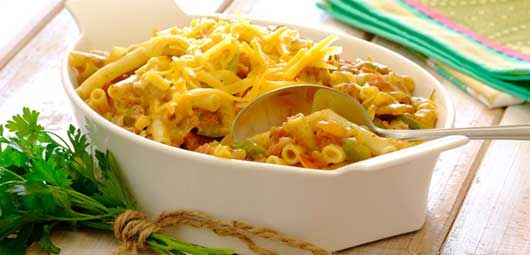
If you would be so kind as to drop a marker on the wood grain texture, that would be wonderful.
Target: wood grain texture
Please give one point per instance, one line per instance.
(21, 20)
(32, 77)
(81, 242)
(451, 178)
(495, 216)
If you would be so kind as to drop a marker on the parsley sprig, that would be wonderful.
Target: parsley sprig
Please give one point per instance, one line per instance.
(48, 182)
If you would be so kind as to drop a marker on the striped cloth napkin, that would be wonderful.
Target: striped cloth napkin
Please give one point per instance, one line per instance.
(482, 46)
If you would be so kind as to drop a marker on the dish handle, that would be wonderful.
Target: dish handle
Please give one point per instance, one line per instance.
(433, 147)
(108, 23)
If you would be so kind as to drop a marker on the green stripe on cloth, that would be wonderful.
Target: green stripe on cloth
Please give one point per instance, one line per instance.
(419, 39)
(503, 22)
(361, 15)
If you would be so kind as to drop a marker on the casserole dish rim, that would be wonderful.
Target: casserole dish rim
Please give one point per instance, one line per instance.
(371, 164)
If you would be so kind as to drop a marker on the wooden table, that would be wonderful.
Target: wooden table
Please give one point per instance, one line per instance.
(479, 200)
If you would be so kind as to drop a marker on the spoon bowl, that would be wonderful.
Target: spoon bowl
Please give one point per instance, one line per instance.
(274, 107)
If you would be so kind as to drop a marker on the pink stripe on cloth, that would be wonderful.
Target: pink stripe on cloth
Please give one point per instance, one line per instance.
(451, 24)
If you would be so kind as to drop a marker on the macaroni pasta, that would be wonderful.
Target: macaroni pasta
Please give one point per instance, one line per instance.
(184, 87)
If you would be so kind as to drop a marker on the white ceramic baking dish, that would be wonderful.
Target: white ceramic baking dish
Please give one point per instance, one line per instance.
(358, 203)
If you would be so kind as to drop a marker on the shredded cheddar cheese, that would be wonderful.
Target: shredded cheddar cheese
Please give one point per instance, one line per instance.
(184, 87)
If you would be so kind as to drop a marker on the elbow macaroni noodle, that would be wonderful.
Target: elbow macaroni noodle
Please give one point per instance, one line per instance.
(333, 154)
(184, 87)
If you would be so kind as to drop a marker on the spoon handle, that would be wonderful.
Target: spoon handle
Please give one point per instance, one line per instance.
(508, 132)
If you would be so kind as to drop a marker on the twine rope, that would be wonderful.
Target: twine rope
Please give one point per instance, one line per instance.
(133, 229)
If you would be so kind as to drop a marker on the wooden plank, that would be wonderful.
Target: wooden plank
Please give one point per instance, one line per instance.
(21, 20)
(451, 179)
(82, 242)
(301, 12)
(495, 216)
(32, 77)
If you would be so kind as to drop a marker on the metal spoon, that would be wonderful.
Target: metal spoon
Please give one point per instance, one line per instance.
(273, 108)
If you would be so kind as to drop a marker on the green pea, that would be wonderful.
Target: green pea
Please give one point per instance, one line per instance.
(412, 123)
(356, 151)
(251, 147)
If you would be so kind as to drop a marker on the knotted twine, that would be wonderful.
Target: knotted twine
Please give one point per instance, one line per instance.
(133, 229)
